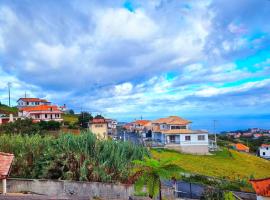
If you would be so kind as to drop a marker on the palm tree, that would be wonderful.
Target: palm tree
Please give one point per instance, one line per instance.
(149, 172)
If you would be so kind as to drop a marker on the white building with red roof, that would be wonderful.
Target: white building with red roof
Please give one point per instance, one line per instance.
(27, 102)
(264, 151)
(41, 113)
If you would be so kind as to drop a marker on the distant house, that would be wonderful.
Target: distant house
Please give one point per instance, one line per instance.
(264, 151)
(139, 126)
(41, 113)
(28, 102)
(262, 188)
(112, 124)
(6, 161)
(99, 127)
(240, 147)
(4, 119)
(174, 133)
(258, 135)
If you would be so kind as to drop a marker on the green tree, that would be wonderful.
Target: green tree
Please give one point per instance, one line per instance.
(84, 119)
(151, 171)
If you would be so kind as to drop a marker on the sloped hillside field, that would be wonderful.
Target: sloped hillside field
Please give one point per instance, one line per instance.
(226, 164)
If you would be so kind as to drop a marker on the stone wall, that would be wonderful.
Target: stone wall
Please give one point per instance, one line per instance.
(74, 188)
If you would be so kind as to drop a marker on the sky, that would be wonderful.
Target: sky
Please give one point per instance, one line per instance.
(126, 59)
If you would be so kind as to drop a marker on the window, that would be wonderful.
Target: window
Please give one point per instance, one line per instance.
(27, 103)
(46, 116)
(187, 138)
(172, 138)
(37, 116)
(201, 137)
(266, 148)
(178, 127)
(263, 153)
(98, 125)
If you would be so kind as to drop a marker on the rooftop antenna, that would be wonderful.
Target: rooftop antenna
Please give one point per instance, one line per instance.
(9, 86)
(24, 94)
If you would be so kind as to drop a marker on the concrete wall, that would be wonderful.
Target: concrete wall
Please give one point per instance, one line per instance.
(74, 188)
(192, 149)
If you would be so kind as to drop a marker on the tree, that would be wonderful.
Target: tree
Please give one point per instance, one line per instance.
(71, 112)
(150, 173)
(84, 119)
(99, 117)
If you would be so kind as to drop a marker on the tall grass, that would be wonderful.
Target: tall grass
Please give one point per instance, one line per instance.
(72, 157)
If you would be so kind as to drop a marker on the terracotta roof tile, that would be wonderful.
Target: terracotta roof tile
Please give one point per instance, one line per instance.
(142, 122)
(40, 108)
(5, 164)
(261, 186)
(98, 121)
(33, 99)
(265, 145)
(241, 147)
(172, 120)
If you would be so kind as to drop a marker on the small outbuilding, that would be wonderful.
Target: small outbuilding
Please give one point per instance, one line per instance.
(262, 188)
(5, 166)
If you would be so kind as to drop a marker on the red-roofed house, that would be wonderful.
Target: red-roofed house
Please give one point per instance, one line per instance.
(41, 113)
(5, 165)
(99, 127)
(240, 147)
(25, 102)
(262, 188)
(264, 151)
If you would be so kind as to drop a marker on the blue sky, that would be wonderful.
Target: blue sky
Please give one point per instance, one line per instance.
(201, 60)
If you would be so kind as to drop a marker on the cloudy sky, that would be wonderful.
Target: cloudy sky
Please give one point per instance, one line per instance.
(200, 59)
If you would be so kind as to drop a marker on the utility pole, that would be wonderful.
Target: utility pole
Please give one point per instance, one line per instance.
(214, 124)
(9, 86)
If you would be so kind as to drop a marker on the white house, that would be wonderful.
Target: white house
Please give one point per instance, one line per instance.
(264, 151)
(41, 113)
(174, 133)
(25, 102)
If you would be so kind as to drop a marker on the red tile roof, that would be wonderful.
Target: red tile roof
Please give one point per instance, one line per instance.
(241, 147)
(5, 164)
(261, 186)
(33, 99)
(175, 120)
(265, 145)
(98, 121)
(40, 108)
(142, 122)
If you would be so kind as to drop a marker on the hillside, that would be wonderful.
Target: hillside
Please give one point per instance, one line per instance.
(70, 118)
(227, 164)
(4, 109)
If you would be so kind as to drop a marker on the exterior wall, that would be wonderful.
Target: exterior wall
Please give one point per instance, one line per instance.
(265, 150)
(193, 139)
(263, 198)
(62, 189)
(22, 103)
(42, 116)
(100, 132)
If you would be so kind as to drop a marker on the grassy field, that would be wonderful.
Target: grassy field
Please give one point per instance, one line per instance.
(4, 109)
(227, 164)
(70, 118)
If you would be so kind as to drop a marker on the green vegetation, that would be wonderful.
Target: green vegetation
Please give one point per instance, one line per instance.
(151, 171)
(27, 126)
(4, 109)
(70, 118)
(226, 164)
(71, 157)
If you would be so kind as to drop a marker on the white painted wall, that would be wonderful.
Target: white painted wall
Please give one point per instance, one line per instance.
(193, 139)
(264, 152)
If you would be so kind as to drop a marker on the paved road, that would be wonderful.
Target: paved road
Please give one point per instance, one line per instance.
(130, 136)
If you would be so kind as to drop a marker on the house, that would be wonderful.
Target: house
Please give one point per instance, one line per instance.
(6, 161)
(41, 113)
(7, 119)
(27, 102)
(262, 188)
(99, 127)
(264, 151)
(139, 126)
(174, 133)
(112, 124)
(258, 135)
(240, 147)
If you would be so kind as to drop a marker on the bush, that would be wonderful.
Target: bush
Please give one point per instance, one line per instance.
(71, 157)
